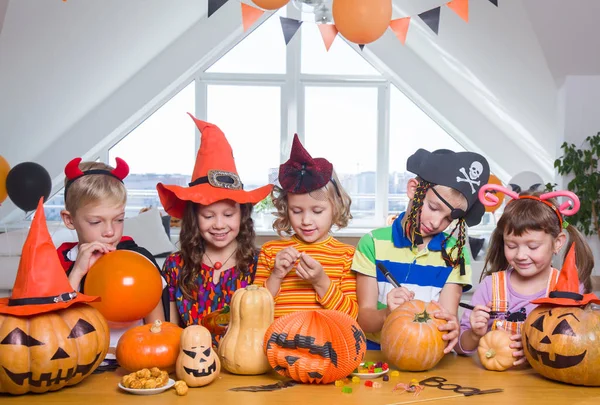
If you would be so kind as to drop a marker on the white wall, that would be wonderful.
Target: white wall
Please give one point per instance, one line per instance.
(580, 116)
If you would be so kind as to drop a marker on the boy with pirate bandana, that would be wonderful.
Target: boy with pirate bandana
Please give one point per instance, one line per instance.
(95, 198)
(426, 263)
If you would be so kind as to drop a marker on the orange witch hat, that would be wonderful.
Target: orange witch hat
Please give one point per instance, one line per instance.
(215, 176)
(41, 284)
(566, 291)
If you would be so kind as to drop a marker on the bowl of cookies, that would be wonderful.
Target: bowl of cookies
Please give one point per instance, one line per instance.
(148, 382)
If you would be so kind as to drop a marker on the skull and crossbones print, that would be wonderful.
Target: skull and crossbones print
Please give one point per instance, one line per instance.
(475, 171)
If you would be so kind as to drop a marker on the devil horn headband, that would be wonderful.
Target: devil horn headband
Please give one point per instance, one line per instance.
(73, 172)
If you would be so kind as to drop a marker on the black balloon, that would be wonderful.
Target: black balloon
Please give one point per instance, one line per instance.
(26, 183)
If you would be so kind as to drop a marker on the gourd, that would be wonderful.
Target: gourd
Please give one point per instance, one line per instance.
(241, 349)
(494, 350)
(197, 362)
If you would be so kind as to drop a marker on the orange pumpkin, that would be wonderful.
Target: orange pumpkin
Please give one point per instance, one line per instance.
(562, 343)
(319, 346)
(362, 21)
(48, 351)
(148, 346)
(270, 4)
(410, 338)
(494, 350)
(197, 364)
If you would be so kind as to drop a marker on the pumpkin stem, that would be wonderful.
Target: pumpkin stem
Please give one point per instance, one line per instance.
(490, 353)
(422, 317)
(156, 326)
(251, 287)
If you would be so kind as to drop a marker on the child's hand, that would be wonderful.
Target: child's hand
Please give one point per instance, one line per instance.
(479, 319)
(517, 344)
(88, 254)
(398, 296)
(450, 327)
(284, 262)
(310, 270)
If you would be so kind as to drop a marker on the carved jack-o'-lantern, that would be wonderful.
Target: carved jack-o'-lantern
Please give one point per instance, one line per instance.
(48, 351)
(49, 336)
(315, 346)
(560, 337)
(197, 363)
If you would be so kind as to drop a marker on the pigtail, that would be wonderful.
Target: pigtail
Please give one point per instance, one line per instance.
(584, 258)
(458, 247)
(494, 259)
(412, 226)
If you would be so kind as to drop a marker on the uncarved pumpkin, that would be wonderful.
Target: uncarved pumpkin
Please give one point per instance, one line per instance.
(410, 338)
(241, 349)
(562, 343)
(148, 346)
(197, 364)
(270, 4)
(494, 350)
(319, 346)
(46, 352)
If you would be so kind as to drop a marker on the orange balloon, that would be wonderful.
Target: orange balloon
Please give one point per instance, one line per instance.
(362, 21)
(4, 169)
(495, 180)
(271, 4)
(128, 284)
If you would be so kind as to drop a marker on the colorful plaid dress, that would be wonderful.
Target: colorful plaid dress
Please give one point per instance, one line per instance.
(209, 296)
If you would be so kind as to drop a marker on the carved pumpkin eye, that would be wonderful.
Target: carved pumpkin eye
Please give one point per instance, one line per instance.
(18, 337)
(190, 353)
(81, 328)
(563, 328)
(539, 323)
(206, 352)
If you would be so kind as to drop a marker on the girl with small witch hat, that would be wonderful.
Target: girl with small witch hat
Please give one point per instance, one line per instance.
(217, 254)
(518, 267)
(424, 262)
(311, 269)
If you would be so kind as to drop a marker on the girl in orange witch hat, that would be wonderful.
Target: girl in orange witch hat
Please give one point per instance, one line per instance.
(518, 264)
(217, 254)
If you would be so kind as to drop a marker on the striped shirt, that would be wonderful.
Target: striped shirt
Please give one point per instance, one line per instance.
(297, 294)
(423, 272)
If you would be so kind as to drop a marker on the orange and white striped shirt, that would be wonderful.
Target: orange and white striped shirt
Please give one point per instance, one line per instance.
(297, 294)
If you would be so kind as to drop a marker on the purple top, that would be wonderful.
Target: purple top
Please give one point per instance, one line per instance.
(517, 302)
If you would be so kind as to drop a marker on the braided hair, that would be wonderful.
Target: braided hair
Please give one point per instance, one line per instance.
(413, 226)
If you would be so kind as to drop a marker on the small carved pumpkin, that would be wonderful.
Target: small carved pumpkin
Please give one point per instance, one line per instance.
(48, 351)
(197, 363)
(319, 346)
(241, 349)
(410, 338)
(562, 343)
(148, 346)
(494, 350)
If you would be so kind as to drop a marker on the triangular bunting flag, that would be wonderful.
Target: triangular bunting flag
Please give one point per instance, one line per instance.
(494, 2)
(432, 19)
(329, 33)
(250, 15)
(460, 7)
(214, 5)
(289, 27)
(400, 28)
(361, 46)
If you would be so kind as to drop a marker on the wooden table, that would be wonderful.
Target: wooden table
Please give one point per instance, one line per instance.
(521, 387)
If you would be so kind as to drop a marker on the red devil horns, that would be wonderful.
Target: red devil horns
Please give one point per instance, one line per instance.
(72, 170)
(122, 169)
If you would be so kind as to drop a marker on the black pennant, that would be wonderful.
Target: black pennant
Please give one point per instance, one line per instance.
(214, 5)
(494, 2)
(432, 19)
(289, 27)
(361, 46)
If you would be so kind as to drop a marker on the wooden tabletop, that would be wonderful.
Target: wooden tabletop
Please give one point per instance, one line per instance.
(521, 387)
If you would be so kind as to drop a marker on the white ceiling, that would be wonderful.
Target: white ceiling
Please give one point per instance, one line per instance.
(568, 35)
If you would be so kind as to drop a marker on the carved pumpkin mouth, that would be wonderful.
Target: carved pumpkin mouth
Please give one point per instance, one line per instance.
(560, 361)
(19, 378)
(197, 373)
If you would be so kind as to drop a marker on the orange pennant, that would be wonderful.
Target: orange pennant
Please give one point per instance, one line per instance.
(250, 15)
(400, 28)
(460, 7)
(328, 32)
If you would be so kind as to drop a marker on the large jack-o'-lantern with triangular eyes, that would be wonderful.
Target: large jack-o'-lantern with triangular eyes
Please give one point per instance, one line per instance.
(197, 363)
(49, 351)
(561, 337)
(49, 336)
